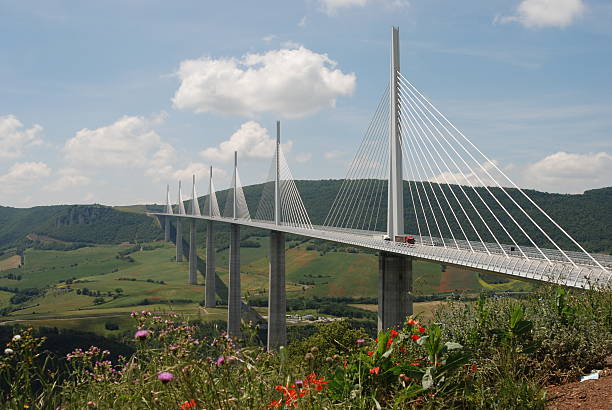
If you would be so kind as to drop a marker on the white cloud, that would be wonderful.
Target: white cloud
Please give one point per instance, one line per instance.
(570, 173)
(14, 139)
(292, 82)
(303, 22)
(332, 6)
(23, 174)
(269, 38)
(546, 13)
(303, 157)
(69, 178)
(251, 140)
(476, 176)
(128, 142)
(332, 154)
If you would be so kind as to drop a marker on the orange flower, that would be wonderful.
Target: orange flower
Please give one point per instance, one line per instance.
(188, 405)
(375, 370)
(275, 403)
(412, 322)
(415, 337)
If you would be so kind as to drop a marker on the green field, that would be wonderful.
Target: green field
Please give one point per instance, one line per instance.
(89, 287)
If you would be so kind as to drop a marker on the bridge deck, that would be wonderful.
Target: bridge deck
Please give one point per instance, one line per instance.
(489, 258)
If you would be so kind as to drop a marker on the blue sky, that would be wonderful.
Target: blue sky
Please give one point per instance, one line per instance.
(108, 101)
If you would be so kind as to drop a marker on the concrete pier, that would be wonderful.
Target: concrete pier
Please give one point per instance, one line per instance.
(193, 253)
(209, 298)
(179, 241)
(394, 290)
(277, 298)
(167, 228)
(233, 301)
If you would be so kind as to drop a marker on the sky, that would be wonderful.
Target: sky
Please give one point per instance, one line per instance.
(109, 101)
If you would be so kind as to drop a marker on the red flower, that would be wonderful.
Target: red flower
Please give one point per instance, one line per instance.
(421, 330)
(188, 405)
(473, 367)
(412, 322)
(415, 337)
(393, 333)
(415, 364)
(389, 342)
(275, 403)
(370, 354)
(375, 370)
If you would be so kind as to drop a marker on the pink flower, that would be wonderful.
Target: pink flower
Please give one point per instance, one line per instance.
(142, 334)
(220, 361)
(165, 377)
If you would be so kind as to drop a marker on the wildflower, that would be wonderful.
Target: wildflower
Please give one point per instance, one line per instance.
(370, 354)
(375, 370)
(299, 383)
(220, 360)
(389, 342)
(142, 334)
(91, 404)
(8, 350)
(165, 377)
(421, 330)
(275, 403)
(188, 405)
(415, 364)
(415, 337)
(360, 341)
(393, 333)
(412, 322)
(16, 338)
(309, 357)
(473, 367)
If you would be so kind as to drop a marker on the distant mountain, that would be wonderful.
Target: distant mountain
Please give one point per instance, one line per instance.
(587, 217)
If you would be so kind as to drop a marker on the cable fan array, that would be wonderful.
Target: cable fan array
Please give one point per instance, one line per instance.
(239, 209)
(211, 209)
(292, 209)
(456, 195)
(361, 202)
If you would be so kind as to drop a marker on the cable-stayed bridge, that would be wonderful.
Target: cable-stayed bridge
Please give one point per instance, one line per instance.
(417, 188)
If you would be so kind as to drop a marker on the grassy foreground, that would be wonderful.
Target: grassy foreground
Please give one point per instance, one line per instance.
(494, 353)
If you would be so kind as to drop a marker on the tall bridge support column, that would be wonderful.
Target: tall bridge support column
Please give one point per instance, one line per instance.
(193, 253)
(167, 228)
(179, 241)
(209, 297)
(233, 300)
(277, 298)
(394, 290)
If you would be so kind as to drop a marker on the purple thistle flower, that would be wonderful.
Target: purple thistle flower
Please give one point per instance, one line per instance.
(142, 334)
(360, 341)
(165, 377)
(220, 361)
(299, 383)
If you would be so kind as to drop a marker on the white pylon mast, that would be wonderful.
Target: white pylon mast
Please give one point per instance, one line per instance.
(277, 210)
(395, 209)
(210, 204)
(235, 184)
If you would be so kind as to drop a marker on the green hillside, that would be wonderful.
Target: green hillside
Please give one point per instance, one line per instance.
(89, 224)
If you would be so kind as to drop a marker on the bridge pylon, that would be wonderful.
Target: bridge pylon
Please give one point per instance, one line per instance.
(395, 271)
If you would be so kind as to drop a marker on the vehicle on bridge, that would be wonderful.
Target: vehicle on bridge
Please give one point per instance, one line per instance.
(401, 239)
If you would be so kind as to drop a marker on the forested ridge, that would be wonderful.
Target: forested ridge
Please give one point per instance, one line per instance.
(587, 217)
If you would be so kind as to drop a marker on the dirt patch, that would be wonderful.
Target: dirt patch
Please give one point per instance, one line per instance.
(43, 238)
(10, 263)
(589, 394)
